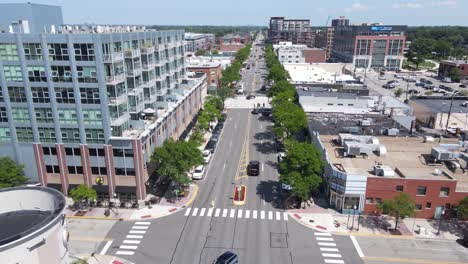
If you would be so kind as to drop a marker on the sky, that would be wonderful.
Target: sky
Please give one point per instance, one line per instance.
(257, 12)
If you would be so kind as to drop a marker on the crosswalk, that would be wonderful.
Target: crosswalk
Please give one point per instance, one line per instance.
(236, 213)
(133, 239)
(327, 246)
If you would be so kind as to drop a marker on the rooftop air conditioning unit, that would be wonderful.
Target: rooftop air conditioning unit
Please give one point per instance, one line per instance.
(393, 131)
(364, 122)
(382, 170)
(441, 154)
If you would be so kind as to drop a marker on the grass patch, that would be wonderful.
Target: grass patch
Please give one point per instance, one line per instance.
(425, 65)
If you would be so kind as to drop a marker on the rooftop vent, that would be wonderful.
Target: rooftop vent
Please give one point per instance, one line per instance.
(382, 170)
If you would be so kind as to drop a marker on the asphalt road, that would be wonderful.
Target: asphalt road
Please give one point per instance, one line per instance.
(259, 231)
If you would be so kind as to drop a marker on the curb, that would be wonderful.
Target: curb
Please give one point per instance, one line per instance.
(93, 218)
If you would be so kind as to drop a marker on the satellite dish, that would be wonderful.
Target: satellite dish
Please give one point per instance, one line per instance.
(437, 172)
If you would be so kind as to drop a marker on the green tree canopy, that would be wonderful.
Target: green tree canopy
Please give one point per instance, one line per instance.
(83, 193)
(455, 74)
(400, 206)
(289, 118)
(201, 52)
(11, 174)
(175, 159)
(462, 208)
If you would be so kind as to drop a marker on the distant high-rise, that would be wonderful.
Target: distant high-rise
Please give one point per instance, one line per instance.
(297, 31)
(29, 18)
(341, 21)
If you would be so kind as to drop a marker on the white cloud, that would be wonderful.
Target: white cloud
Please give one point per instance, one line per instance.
(445, 3)
(407, 5)
(356, 7)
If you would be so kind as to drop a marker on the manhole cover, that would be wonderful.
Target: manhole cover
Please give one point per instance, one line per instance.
(278, 240)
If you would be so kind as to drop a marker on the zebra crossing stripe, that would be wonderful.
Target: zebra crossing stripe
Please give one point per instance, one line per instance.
(329, 249)
(278, 216)
(131, 242)
(233, 211)
(324, 238)
(137, 232)
(202, 212)
(322, 234)
(210, 212)
(326, 244)
(331, 255)
(195, 211)
(255, 214)
(239, 213)
(270, 215)
(187, 212)
(134, 236)
(285, 216)
(142, 223)
(140, 227)
(334, 261)
(262, 214)
(225, 211)
(123, 252)
(247, 214)
(217, 212)
(128, 247)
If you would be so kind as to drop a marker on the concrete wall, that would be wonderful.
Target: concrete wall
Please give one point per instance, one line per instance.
(38, 16)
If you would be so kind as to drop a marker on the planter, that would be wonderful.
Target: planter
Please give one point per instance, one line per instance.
(240, 195)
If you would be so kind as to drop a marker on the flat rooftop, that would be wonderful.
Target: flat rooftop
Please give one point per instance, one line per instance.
(326, 93)
(20, 222)
(442, 105)
(406, 156)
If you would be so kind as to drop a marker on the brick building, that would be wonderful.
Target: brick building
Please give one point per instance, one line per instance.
(297, 31)
(212, 71)
(446, 66)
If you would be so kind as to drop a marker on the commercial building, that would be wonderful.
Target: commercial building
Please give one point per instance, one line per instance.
(29, 17)
(230, 49)
(369, 45)
(234, 39)
(298, 53)
(297, 31)
(211, 69)
(433, 111)
(195, 42)
(375, 161)
(93, 102)
(447, 65)
(33, 226)
(303, 73)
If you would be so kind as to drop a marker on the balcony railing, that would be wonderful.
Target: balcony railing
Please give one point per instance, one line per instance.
(132, 53)
(147, 50)
(112, 80)
(114, 57)
(134, 72)
(148, 66)
(118, 100)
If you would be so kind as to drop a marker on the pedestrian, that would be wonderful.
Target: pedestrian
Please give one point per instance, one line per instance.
(263, 105)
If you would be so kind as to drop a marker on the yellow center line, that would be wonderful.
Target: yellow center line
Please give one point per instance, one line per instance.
(405, 260)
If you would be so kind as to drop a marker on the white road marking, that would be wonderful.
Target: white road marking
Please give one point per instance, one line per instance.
(337, 261)
(225, 211)
(263, 167)
(210, 212)
(262, 214)
(329, 249)
(140, 227)
(134, 236)
(137, 232)
(247, 214)
(324, 238)
(131, 241)
(331, 255)
(142, 223)
(356, 245)
(278, 216)
(202, 212)
(224, 166)
(255, 214)
(285, 216)
(233, 212)
(217, 212)
(105, 248)
(187, 212)
(239, 213)
(322, 234)
(195, 211)
(230, 144)
(128, 247)
(270, 215)
(326, 244)
(128, 253)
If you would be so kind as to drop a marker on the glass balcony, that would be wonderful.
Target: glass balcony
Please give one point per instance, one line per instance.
(134, 72)
(147, 50)
(118, 100)
(113, 80)
(132, 53)
(148, 66)
(114, 57)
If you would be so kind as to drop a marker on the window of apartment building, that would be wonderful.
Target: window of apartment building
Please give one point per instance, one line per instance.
(13, 73)
(421, 190)
(84, 52)
(70, 135)
(49, 150)
(52, 169)
(444, 191)
(73, 151)
(40, 94)
(24, 134)
(99, 170)
(86, 74)
(61, 73)
(428, 205)
(75, 169)
(96, 152)
(117, 131)
(395, 47)
(419, 207)
(17, 94)
(94, 136)
(5, 135)
(1, 95)
(361, 63)
(92, 117)
(47, 134)
(58, 52)
(122, 152)
(67, 116)
(90, 96)
(36, 74)
(20, 115)
(125, 171)
(3, 115)
(363, 47)
(64, 95)
(369, 200)
(44, 115)
(399, 188)
(8, 52)
(32, 51)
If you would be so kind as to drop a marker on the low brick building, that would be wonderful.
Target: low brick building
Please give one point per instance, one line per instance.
(446, 66)
(212, 71)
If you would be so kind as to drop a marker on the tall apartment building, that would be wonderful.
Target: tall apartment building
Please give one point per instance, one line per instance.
(29, 17)
(90, 104)
(369, 45)
(195, 42)
(297, 31)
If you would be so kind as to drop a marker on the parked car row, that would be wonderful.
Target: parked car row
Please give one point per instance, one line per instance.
(210, 147)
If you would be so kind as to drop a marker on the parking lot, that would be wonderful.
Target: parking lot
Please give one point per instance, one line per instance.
(375, 84)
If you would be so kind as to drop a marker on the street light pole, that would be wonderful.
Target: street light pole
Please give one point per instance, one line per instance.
(450, 111)
(354, 213)
(407, 87)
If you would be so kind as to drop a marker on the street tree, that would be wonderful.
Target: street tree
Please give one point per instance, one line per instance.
(301, 168)
(11, 174)
(400, 206)
(175, 159)
(200, 52)
(462, 208)
(398, 92)
(214, 51)
(443, 48)
(282, 86)
(83, 194)
(289, 118)
(455, 74)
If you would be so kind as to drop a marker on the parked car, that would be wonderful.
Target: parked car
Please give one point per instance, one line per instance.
(382, 77)
(250, 96)
(462, 85)
(253, 168)
(419, 84)
(266, 111)
(211, 145)
(280, 156)
(255, 111)
(227, 258)
(286, 187)
(413, 91)
(198, 172)
(206, 156)
(465, 237)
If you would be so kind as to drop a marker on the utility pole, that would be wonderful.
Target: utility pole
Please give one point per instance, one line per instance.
(407, 87)
(450, 111)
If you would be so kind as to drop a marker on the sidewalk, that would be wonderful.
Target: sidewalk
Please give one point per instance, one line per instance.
(104, 259)
(164, 208)
(321, 219)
